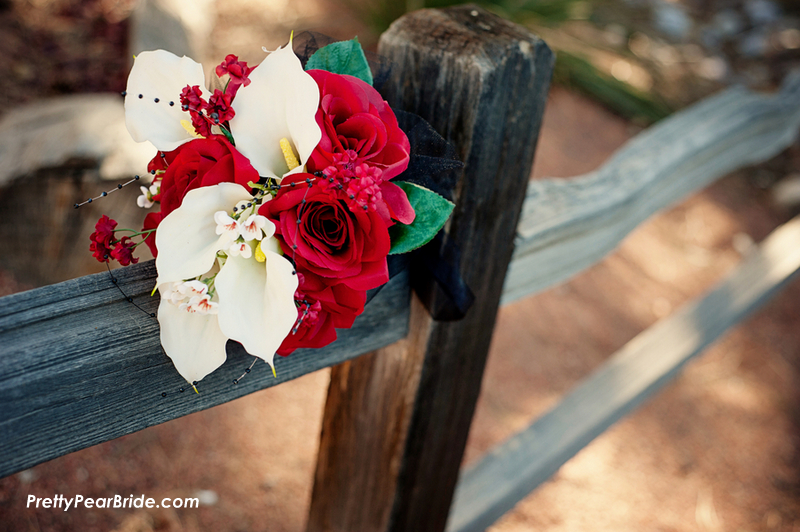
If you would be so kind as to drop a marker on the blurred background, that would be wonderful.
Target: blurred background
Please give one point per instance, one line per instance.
(717, 450)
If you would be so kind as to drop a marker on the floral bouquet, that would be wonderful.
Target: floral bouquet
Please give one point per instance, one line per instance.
(277, 203)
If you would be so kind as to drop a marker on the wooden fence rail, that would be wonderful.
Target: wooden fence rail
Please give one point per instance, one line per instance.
(569, 224)
(80, 365)
(509, 472)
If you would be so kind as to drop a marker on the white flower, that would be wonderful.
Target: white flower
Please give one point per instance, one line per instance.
(161, 76)
(227, 227)
(202, 304)
(254, 227)
(279, 103)
(240, 249)
(254, 301)
(193, 288)
(144, 201)
(173, 294)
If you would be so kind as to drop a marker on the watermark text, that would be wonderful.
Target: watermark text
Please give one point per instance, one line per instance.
(61, 502)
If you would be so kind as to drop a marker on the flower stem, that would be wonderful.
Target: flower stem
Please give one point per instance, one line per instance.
(137, 233)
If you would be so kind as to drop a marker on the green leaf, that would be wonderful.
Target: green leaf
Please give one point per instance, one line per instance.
(432, 211)
(228, 135)
(344, 57)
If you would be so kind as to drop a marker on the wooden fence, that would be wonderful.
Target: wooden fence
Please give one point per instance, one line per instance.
(80, 365)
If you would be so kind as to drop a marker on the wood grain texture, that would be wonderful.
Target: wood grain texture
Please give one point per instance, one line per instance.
(351, 486)
(482, 83)
(79, 365)
(569, 224)
(508, 473)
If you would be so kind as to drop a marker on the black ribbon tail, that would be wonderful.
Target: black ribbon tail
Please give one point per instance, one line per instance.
(448, 298)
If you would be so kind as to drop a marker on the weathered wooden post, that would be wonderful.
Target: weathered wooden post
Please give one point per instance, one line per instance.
(397, 420)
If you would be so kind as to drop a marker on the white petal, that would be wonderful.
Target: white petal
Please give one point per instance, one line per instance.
(144, 202)
(193, 288)
(280, 102)
(240, 249)
(160, 74)
(253, 227)
(256, 302)
(193, 341)
(186, 239)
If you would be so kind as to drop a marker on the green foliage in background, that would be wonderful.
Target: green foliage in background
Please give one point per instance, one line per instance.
(579, 74)
(570, 70)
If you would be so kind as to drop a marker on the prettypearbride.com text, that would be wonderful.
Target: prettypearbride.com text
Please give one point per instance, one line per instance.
(66, 503)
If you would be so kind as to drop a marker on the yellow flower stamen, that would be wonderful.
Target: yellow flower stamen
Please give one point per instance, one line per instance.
(288, 154)
(260, 257)
(187, 125)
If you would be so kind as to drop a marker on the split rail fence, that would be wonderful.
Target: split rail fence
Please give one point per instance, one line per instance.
(80, 366)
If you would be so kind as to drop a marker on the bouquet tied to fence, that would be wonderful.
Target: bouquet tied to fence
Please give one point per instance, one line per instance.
(277, 195)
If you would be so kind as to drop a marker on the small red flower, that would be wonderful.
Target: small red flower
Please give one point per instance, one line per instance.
(193, 102)
(123, 252)
(104, 229)
(102, 238)
(99, 251)
(192, 98)
(219, 108)
(238, 72)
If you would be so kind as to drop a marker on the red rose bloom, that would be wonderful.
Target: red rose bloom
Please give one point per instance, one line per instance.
(330, 240)
(151, 221)
(321, 307)
(314, 330)
(359, 127)
(354, 116)
(197, 163)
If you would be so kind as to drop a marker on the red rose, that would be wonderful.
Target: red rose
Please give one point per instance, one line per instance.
(197, 163)
(315, 329)
(151, 221)
(357, 124)
(321, 307)
(330, 240)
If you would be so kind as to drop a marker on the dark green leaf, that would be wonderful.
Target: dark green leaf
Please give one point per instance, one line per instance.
(344, 57)
(432, 211)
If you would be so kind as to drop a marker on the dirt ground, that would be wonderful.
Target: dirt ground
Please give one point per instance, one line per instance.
(715, 451)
